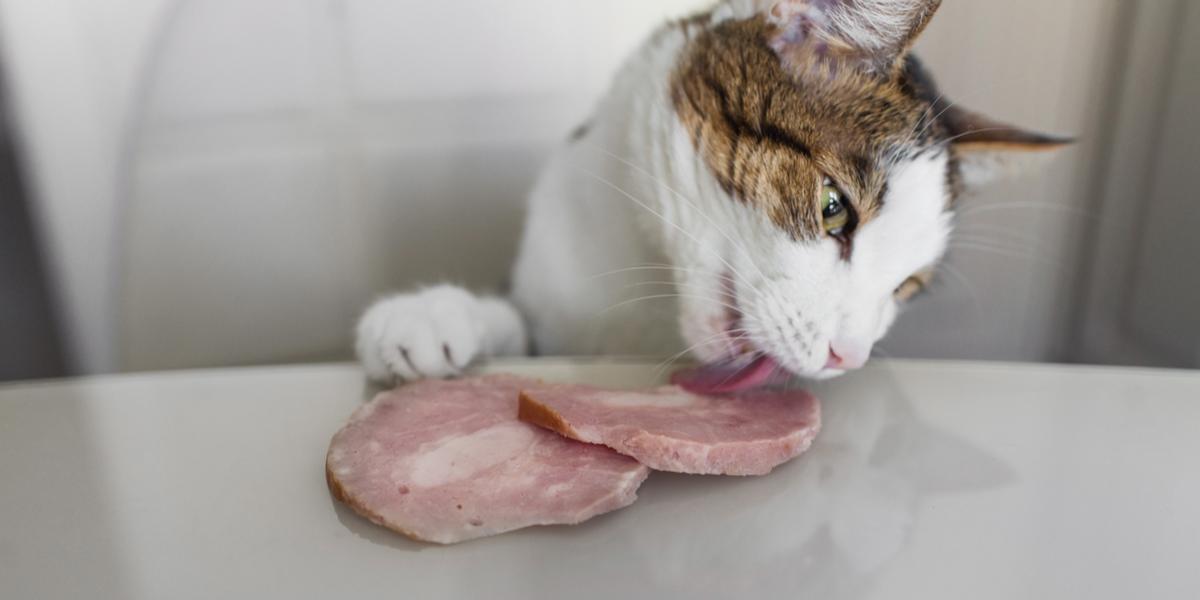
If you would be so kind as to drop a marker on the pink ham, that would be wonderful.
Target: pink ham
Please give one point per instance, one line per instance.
(670, 429)
(446, 462)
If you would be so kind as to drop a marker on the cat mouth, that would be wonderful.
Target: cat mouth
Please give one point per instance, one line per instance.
(732, 377)
(747, 368)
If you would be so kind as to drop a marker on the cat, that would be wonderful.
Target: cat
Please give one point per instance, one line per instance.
(764, 187)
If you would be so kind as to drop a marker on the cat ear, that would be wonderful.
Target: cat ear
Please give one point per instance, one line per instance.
(987, 149)
(874, 34)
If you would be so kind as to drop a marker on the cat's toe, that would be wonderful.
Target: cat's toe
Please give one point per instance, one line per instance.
(431, 334)
(424, 353)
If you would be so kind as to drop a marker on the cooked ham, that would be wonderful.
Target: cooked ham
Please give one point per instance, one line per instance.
(670, 429)
(446, 462)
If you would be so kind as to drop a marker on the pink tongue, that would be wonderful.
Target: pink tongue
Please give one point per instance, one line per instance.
(725, 379)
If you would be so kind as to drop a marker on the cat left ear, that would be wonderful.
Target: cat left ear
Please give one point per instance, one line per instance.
(874, 34)
(987, 148)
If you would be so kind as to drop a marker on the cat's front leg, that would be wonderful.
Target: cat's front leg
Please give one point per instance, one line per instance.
(436, 333)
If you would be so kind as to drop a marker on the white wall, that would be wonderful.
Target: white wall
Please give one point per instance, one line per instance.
(229, 181)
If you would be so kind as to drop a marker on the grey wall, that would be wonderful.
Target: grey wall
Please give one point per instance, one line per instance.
(1140, 299)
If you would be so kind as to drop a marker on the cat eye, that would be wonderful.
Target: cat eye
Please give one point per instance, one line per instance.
(835, 215)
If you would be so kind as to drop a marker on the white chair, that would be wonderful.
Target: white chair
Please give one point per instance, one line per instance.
(227, 182)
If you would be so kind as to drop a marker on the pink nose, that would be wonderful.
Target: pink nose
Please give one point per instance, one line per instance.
(847, 357)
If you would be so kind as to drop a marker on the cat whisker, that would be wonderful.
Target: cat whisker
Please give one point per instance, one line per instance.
(912, 133)
(663, 297)
(733, 373)
(732, 271)
(698, 169)
(993, 243)
(683, 284)
(962, 241)
(665, 220)
(1018, 236)
(922, 125)
(737, 336)
(1001, 251)
(775, 369)
(688, 201)
(647, 267)
(941, 113)
(659, 268)
(733, 298)
(975, 210)
(966, 283)
(947, 142)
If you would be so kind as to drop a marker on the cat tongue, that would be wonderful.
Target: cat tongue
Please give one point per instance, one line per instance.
(728, 379)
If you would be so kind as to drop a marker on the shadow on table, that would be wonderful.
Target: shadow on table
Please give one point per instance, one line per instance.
(824, 526)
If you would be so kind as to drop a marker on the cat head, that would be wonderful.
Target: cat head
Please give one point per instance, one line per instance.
(841, 162)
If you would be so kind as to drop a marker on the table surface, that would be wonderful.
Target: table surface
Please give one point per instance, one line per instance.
(930, 480)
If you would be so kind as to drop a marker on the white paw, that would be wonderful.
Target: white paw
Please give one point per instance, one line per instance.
(434, 333)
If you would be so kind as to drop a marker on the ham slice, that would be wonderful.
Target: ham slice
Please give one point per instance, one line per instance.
(448, 461)
(670, 429)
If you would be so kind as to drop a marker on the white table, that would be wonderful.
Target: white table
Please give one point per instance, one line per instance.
(931, 480)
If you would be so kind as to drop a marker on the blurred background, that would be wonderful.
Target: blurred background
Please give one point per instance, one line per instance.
(215, 183)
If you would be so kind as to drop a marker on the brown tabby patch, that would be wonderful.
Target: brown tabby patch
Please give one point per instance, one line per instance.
(771, 136)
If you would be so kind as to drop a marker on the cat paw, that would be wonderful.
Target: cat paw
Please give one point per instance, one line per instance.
(434, 333)
(430, 334)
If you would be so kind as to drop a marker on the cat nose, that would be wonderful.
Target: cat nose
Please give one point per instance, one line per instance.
(846, 356)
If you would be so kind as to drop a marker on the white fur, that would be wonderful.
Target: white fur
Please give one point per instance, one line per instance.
(435, 333)
(872, 25)
(629, 241)
(868, 25)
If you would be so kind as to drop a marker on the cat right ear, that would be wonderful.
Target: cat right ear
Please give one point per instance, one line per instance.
(987, 148)
(874, 35)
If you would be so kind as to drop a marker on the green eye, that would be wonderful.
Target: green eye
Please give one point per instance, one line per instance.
(834, 214)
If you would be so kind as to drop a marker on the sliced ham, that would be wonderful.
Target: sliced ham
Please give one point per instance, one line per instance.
(670, 429)
(446, 462)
